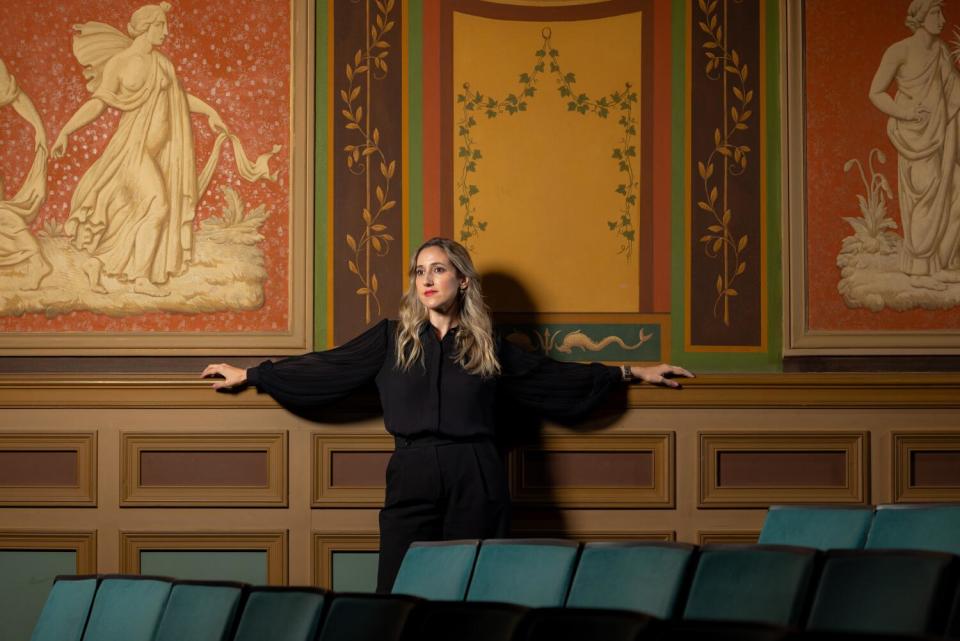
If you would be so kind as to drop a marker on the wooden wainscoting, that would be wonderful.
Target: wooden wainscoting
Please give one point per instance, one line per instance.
(48, 468)
(926, 466)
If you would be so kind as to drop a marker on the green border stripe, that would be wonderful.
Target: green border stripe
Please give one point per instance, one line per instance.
(320, 179)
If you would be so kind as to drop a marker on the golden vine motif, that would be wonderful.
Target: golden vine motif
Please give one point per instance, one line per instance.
(720, 241)
(369, 64)
(474, 102)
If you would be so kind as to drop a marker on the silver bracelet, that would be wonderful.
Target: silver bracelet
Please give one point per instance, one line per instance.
(626, 373)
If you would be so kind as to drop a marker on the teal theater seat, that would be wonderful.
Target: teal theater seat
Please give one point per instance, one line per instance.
(465, 621)
(820, 527)
(127, 607)
(758, 583)
(530, 572)
(65, 612)
(916, 527)
(574, 624)
(281, 614)
(885, 592)
(438, 570)
(367, 617)
(641, 576)
(200, 611)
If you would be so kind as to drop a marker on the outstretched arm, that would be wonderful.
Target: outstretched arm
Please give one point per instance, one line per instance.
(200, 107)
(87, 113)
(24, 106)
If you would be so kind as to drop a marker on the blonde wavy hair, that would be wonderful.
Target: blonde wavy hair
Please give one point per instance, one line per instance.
(476, 352)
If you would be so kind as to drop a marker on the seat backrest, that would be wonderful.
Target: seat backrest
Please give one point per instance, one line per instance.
(640, 576)
(66, 609)
(367, 617)
(755, 583)
(528, 572)
(553, 624)
(200, 611)
(437, 570)
(127, 607)
(928, 527)
(465, 621)
(820, 527)
(281, 614)
(884, 591)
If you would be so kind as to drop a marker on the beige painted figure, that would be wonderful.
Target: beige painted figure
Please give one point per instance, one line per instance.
(18, 247)
(133, 210)
(924, 130)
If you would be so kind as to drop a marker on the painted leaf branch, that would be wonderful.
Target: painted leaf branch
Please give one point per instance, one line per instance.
(720, 241)
(369, 64)
(547, 61)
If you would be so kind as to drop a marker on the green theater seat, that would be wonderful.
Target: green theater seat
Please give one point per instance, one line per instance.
(757, 583)
(640, 576)
(367, 617)
(926, 527)
(530, 572)
(66, 609)
(281, 614)
(128, 608)
(885, 592)
(438, 570)
(823, 528)
(200, 611)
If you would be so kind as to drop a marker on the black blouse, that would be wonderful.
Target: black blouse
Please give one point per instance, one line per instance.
(436, 397)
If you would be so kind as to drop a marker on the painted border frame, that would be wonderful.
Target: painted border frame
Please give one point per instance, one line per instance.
(800, 339)
(299, 335)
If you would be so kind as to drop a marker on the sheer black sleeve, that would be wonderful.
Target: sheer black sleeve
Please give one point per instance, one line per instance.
(564, 391)
(319, 378)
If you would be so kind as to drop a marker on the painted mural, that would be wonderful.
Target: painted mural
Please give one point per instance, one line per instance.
(883, 184)
(160, 199)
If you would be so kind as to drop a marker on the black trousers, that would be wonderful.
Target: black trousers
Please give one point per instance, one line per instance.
(440, 490)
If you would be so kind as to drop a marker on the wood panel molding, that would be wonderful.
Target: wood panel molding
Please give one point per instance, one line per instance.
(588, 535)
(326, 544)
(727, 537)
(658, 446)
(853, 447)
(83, 493)
(83, 543)
(906, 447)
(133, 492)
(325, 492)
(273, 543)
(808, 390)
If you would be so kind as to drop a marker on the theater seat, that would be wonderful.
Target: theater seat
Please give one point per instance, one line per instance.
(127, 607)
(927, 527)
(576, 624)
(465, 621)
(638, 575)
(366, 617)
(529, 572)
(884, 591)
(66, 609)
(437, 569)
(281, 614)
(200, 611)
(820, 527)
(755, 583)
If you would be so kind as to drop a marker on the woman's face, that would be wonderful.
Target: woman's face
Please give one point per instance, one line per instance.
(437, 280)
(933, 22)
(157, 32)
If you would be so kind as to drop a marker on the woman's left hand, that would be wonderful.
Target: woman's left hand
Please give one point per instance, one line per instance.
(662, 374)
(216, 123)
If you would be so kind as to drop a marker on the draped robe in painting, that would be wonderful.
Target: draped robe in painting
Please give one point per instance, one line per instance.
(17, 244)
(929, 176)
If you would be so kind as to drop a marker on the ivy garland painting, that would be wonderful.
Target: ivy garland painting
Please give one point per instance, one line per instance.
(146, 158)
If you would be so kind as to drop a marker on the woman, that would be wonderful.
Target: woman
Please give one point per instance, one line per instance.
(439, 370)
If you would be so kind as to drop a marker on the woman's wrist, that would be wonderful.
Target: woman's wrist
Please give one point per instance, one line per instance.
(626, 374)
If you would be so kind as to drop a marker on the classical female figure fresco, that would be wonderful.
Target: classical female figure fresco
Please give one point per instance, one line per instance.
(133, 209)
(18, 248)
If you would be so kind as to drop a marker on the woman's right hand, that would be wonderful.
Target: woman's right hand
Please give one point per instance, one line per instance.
(59, 146)
(232, 376)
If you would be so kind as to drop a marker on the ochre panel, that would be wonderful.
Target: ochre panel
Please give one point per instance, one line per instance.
(48, 468)
(27, 468)
(203, 468)
(757, 469)
(83, 543)
(210, 469)
(326, 544)
(273, 543)
(358, 469)
(588, 469)
(335, 484)
(781, 469)
(926, 466)
(628, 470)
(727, 537)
